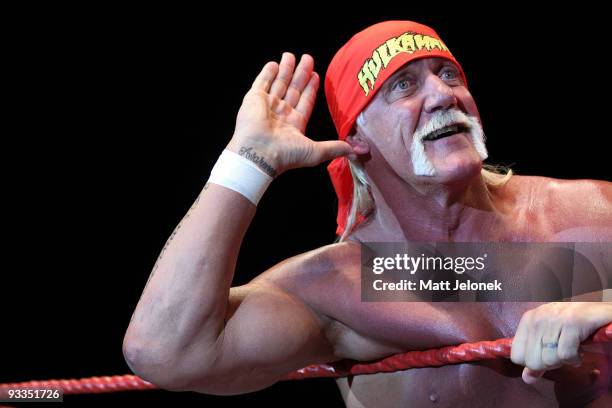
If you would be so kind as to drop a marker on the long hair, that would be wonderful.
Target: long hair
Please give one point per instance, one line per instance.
(494, 176)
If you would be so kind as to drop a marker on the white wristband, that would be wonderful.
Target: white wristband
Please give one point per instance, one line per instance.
(241, 175)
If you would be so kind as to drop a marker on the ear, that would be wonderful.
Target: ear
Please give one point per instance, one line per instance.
(358, 142)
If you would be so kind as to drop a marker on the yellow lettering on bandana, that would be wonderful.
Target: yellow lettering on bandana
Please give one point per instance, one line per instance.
(407, 42)
(375, 64)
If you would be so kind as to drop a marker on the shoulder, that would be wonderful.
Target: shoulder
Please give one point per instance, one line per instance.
(580, 208)
(580, 202)
(316, 275)
(314, 266)
(578, 189)
(541, 189)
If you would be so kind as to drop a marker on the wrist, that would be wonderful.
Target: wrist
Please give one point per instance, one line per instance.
(264, 159)
(241, 175)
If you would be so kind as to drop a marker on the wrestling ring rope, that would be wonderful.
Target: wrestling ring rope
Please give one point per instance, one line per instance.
(467, 352)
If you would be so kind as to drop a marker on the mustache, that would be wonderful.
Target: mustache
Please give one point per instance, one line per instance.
(442, 119)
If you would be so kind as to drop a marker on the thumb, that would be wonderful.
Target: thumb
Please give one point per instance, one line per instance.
(532, 376)
(329, 150)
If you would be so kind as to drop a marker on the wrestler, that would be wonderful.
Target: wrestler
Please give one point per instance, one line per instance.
(408, 167)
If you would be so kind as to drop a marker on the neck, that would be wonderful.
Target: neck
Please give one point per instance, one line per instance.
(465, 211)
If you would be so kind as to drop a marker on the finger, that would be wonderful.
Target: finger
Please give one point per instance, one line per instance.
(569, 343)
(532, 376)
(264, 79)
(299, 81)
(285, 72)
(550, 346)
(328, 150)
(519, 343)
(308, 97)
(533, 353)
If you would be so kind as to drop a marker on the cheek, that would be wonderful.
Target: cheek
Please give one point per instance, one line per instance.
(466, 102)
(395, 133)
(390, 127)
(400, 123)
(394, 140)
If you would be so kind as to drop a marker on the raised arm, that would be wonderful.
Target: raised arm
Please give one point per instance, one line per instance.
(190, 330)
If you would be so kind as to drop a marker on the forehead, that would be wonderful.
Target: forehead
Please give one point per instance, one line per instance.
(420, 65)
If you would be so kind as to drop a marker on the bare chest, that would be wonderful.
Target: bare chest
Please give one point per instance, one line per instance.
(367, 331)
(382, 329)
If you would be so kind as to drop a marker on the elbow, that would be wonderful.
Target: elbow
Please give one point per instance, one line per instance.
(182, 373)
(161, 369)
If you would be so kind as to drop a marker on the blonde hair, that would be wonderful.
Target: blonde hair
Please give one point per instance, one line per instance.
(494, 176)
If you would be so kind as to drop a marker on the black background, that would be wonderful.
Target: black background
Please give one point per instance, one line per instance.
(117, 116)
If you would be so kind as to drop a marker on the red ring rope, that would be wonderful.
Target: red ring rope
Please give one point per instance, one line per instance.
(482, 350)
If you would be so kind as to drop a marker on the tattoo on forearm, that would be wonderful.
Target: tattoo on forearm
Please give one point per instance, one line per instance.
(161, 254)
(258, 160)
(178, 227)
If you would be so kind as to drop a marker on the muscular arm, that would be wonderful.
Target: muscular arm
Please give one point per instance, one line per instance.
(190, 330)
(186, 297)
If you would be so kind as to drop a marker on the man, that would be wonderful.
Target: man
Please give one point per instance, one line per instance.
(411, 131)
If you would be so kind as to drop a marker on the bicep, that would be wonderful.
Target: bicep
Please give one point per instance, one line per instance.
(268, 333)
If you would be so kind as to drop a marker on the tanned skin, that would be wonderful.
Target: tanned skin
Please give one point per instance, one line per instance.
(192, 331)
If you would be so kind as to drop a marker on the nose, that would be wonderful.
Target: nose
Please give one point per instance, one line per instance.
(440, 96)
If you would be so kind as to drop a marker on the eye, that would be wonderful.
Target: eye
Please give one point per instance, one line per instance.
(450, 74)
(403, 84)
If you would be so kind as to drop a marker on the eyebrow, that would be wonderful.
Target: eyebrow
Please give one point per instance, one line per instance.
(400, 73)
